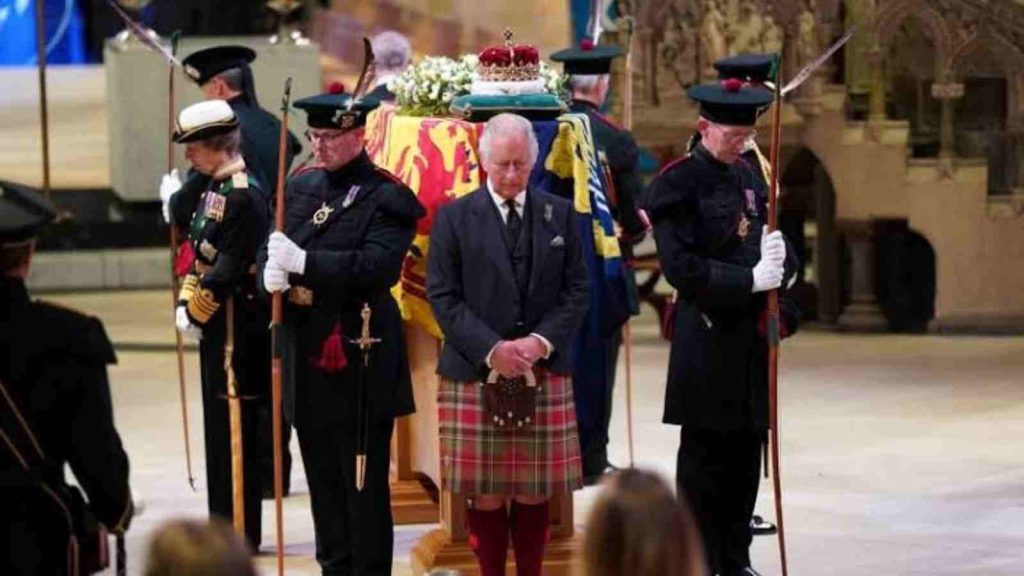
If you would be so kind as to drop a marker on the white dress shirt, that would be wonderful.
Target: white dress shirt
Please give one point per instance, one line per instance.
(520, 200)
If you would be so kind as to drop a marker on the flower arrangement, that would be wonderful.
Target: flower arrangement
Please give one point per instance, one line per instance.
(429, 87)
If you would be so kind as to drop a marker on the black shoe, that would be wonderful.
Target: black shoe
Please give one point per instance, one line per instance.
(748, 571)
(590, 479)
(761, 527)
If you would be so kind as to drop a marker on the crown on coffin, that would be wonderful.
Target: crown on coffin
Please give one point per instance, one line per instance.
(510, 62)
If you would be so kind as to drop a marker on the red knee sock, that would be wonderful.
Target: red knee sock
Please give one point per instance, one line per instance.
(488, 536)
(530, 532)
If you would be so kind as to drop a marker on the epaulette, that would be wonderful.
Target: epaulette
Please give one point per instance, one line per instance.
(672, 164)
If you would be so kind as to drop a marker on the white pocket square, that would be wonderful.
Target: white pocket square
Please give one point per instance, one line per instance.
(557, 242)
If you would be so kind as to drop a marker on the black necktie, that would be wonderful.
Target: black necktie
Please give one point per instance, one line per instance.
(513, 224)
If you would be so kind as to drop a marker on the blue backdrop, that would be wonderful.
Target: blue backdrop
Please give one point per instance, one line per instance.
(64, 32)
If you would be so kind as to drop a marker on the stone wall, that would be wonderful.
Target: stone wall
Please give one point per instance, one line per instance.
(979, 249)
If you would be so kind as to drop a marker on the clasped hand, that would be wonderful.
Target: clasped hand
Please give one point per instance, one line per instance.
(514, 358)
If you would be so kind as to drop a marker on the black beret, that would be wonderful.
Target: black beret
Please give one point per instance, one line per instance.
(23, 213)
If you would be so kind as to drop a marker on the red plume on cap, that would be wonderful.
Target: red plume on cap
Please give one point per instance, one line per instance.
(586, 44)
(336, 87)
(732, 84)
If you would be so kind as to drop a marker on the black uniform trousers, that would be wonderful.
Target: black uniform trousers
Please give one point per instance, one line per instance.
(252, 371)
(354, 530)
(595, 445)
(719, 471)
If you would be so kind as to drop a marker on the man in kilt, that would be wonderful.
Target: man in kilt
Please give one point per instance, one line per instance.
(348, 227)
(228, 224)
(507, 281)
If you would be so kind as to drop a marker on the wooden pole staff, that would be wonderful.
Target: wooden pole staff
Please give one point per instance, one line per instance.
(277, 311)
(773, 323)
(179, 345)
(43, 112)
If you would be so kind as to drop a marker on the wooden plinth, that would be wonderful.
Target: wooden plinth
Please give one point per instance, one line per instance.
(448, 547)
(414, 502)
(414, 498)
(436, 550)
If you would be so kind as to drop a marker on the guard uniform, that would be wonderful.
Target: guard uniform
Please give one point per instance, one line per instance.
(594, 389)
(54, 369)
(228, 224)
(356, 225)
(261, 132)
(708, 218)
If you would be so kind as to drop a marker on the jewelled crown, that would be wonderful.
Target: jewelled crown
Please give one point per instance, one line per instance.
(511, 62)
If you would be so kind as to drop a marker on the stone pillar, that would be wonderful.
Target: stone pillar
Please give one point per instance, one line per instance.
(863, 313)
(947, 94)
(876, 86)
(826, 247)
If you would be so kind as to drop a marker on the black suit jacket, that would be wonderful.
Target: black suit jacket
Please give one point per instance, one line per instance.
(472, 289)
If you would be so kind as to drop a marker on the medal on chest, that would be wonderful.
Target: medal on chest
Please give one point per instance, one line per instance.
(350, 197)
(322, 214)
(214, 208)
(207, 250)
(751, 201)
(744, 227)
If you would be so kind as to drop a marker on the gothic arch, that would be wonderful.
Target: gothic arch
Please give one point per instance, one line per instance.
(894, 15)
(989, 41)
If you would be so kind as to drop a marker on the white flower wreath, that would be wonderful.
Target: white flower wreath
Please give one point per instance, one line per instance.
(429, 87)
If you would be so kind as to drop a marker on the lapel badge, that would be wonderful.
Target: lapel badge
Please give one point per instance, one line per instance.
(744, 227)
(547, 212)
(351, 196)
(322, 214)
(215, 204)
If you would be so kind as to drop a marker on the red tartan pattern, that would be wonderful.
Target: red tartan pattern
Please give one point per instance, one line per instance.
(480, 458)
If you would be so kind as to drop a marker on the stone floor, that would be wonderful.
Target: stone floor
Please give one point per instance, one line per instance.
(901, 455)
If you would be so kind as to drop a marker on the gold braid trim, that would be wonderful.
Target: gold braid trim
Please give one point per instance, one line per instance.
(188, 288)
(203, 305)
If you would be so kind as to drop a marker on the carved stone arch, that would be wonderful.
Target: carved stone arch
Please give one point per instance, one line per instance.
(1010, 60)
(786, 12)
(895, 14)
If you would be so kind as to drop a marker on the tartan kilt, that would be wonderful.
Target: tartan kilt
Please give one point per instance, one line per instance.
(478, 457)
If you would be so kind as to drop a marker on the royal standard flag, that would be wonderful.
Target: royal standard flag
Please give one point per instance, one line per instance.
(438, 159)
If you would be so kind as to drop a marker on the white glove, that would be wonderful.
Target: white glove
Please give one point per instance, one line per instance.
(767, 275)
(770, 269)
(169, 184)
(275, 279)
(285, 255)
(185, 326)
(773, 246)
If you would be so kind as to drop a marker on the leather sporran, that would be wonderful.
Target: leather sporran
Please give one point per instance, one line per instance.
(510, 402)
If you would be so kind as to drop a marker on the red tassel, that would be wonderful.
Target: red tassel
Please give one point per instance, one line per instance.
(332, 355)
(184, 259)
